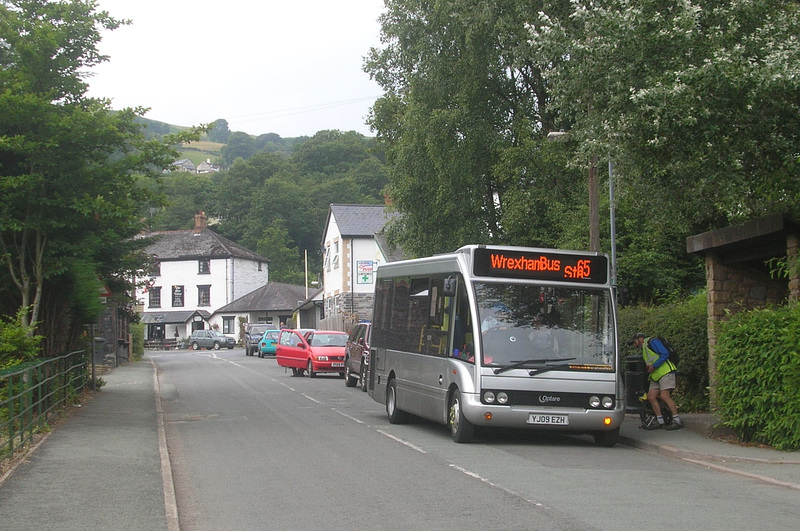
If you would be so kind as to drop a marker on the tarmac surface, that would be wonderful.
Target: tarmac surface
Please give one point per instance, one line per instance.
(97, 446)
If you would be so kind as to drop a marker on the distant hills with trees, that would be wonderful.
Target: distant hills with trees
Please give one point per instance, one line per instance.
(272, 194)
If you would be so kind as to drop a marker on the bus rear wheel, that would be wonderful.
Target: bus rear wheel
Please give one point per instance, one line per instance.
(461, 429)
(396, 416)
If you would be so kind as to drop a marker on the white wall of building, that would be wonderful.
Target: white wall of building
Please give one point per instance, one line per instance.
(248, 276)
(332, 276)
(229, 279)
(366, 257)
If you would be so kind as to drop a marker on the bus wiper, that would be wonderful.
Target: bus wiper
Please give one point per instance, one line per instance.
(517, 364)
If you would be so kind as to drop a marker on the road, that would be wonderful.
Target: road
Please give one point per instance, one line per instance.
(252, 447)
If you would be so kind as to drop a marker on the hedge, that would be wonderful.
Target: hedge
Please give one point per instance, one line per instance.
(758, 382)
(684, 324)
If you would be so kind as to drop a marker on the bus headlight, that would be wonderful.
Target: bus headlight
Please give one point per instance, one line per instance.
(594, 401)
(502, 398)
(608, 402)
(488, 397)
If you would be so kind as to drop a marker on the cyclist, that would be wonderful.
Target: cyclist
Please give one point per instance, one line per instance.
(663, 378)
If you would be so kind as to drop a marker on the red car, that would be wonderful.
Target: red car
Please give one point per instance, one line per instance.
(314, 352)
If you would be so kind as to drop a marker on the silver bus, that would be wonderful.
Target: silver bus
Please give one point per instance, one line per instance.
(499, 336)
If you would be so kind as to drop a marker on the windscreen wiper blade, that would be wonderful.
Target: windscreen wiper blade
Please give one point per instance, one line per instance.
(517, 364)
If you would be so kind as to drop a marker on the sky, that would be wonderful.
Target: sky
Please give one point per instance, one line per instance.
(292, 68)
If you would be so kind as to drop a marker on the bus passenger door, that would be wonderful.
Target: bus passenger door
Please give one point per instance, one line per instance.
(435, 348)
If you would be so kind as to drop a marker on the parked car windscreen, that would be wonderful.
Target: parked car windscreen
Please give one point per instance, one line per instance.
(321, 339)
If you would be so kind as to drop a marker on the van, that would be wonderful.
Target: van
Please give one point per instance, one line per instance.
(356, 357)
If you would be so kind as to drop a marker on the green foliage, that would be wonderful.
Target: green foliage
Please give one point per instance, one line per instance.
(70, 168)
(694, 102)
(457, 99)
(219, 132)
(284, 265)
(85, 289)
(239, 145)
(281, 200)
(17, 342)
(137, 340)
(684, 325)
(758, 362)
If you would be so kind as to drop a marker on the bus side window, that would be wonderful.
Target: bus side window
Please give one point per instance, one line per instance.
(462, 336)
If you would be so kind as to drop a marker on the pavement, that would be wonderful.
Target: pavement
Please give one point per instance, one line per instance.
(106, 465)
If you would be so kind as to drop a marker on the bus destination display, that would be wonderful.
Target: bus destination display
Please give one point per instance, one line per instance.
(540, 265)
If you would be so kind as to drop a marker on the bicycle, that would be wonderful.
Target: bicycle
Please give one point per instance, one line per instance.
(648, 416)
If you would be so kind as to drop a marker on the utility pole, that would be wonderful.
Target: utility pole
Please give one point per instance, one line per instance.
(594, 207)
(594, 194)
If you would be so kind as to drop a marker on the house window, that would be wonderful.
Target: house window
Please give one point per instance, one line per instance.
(204, 295)
(155, 297)
(204, 267)
(228, 325)
(177, 296)
(327, 261)
(335, 254)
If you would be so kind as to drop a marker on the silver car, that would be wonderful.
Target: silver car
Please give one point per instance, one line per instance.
(210, 339)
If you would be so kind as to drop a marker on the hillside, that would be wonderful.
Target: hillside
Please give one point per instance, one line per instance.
(197, 152)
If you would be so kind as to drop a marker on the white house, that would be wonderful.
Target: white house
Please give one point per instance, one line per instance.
(352, 248)
(196, 272)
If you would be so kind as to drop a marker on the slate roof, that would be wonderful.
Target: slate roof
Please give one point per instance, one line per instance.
(274, 296)
(359, 220)
(152, 317)
(192, 244)
(392, 253)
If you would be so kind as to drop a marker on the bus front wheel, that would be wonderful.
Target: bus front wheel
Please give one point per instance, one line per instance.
(396, 416)
(461, 429)
(606, 439)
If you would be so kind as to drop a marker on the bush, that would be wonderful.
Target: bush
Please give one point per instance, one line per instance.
(17, 342)
(684, 324)
(758, 367)
(137, 341)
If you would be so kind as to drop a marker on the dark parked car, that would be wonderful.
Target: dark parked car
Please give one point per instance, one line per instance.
(356, 362)
(210, 339)
(252, 336)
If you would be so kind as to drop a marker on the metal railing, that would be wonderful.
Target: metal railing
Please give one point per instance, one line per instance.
(30, 394)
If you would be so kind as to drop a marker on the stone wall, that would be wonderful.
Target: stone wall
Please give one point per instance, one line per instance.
(343, 310)
(733, 289)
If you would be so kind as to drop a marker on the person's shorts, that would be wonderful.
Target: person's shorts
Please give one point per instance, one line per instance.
(667, 382)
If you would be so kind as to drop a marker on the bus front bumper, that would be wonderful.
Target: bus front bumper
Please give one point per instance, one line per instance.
(542, 418)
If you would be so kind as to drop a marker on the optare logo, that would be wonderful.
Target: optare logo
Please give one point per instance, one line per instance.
(545, 399)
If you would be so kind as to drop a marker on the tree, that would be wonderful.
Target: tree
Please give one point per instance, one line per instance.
(240, 145)
(457, 96)
(69, 167)
(285, 264)
(219, 132)
(331, 152)
(695, 102)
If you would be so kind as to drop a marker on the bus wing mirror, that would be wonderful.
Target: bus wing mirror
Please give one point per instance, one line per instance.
(450, 284)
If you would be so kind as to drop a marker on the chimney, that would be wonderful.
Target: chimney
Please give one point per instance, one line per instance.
(200, 220)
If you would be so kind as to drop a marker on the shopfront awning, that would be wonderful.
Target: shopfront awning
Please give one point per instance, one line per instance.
(182, 317)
